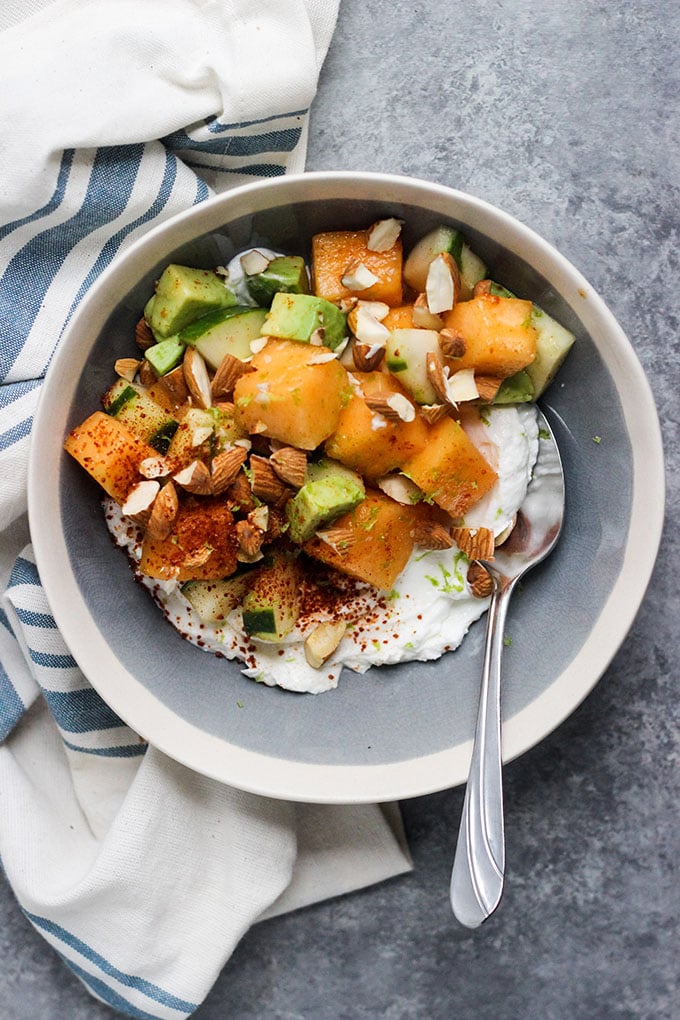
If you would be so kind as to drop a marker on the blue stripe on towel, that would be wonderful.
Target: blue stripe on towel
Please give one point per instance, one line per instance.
(112, 178)
(11, 706)
(215, 126)
(80, 711)
(104, 992)
(152, 991)
(253, 170)
(54, 202)
(120, 751)
(238, 145)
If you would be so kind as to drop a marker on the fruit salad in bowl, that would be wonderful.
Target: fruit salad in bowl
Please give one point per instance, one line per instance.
(309, 459)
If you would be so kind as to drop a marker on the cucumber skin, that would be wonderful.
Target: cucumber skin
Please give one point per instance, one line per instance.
(260, 623)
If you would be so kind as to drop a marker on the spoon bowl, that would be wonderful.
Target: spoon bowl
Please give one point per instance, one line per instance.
(479, 864)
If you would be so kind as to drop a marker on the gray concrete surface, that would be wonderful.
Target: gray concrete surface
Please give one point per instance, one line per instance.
(566, 115)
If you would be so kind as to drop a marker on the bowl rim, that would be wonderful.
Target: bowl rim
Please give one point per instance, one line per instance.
(260, 773)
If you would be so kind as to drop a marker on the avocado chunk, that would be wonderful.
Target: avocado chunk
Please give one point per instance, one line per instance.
(165, 355)
(331, 489)
(182, 295)
(272, 605)
(286, 274)
(307, 318)
(224, 331)
(517, 389)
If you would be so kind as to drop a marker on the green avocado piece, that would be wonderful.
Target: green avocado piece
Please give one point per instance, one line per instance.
(517, 389)
(285, 274)
(331, 489)
(307, 318)
(183, 294)
(224, 331)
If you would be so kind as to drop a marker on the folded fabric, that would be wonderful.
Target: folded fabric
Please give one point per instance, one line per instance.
(141, 874)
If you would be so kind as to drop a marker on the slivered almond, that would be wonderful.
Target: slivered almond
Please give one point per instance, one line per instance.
(432, 535)
(401, 489)
(290, 464)
(163, 512)
(451, 343)
(367, 358)
(147, 376)
(254, 262)
(340, 540)
(358, 277)
(437, 378)
(225, 468)
(395, 407)
(481, 287)
(126, 368)
(139, 501)
(480, 581)
(442, 287)
(197, 378)
(487, 386)
(383, 235)
(228, 373)
(423, 318)
(365, 323)
(320, 644)
(199, 556)
(504, 535)
(318, 337)
(476, 543)
(155, 467)
(144, 338)
(265, 483)
(195, 478)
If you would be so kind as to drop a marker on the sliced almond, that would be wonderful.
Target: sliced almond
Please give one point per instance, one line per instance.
(155, 467)
(265, 483)
(226, 467)
(258, 344)
(323, 641)
(195, 478)
(254, 262)
(318, 337)
(504, 535)
(442, 287)
(199, 556)
(366, 327)
(139, 501)
(401, 489)
(481, 287)
(358, 277)
(432, 413)
(432, 535)
(452, 344)
(366, 357)
(197, 378)
(147, 376)
(260, 517)
(250, 539)
(487, 386)
(229, 371)
(340, 540)
(175, 385)
(476, 543)
(163, 512)
(394, 407)
(423, 318)
(290, 464)
(437, 377)
(461, 385)
(384, 234)
(480, 581)
(144, 338)
(126, 368)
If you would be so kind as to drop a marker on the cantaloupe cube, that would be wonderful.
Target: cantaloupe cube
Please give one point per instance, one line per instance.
(292, 396)
(201, 547)
(499, 336)
(450, 470)
(335, 252)
(381, 541)
(109, 452)
(366, 441)
(399, 318)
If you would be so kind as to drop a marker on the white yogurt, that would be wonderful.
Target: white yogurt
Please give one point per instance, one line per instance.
(427, 613)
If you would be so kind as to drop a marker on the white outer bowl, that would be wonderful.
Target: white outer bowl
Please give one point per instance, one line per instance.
(376, 737)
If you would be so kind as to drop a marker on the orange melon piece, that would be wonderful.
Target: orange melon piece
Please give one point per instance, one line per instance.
(399, 318)
(369, 443)
(380, 545)
(109, 452)
(201, 547)
(450, 470)
(336, 251)
(500, 339)
(290, 396)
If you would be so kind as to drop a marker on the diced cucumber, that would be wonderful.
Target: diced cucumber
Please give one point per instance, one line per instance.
(443, 239)
(184, 294)
(194, 438)
(214, 600)
(225, 331)
(553, 343)
(304, 317)
(331, 489)
(284, 274)
(143, 416)
(165, 355)
(272, 605)
(406, 356)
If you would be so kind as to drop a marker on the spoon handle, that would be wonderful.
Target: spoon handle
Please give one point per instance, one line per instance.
(479, 862)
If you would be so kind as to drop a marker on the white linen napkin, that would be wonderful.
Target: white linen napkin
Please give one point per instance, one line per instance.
(142, 874)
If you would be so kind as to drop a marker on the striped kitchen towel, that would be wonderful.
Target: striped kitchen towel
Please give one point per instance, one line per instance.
(141, 874)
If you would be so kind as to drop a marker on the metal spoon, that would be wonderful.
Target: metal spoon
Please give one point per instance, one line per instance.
(479, 863)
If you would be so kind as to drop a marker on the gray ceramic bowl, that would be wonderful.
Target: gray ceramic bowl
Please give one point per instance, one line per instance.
(399, 731)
